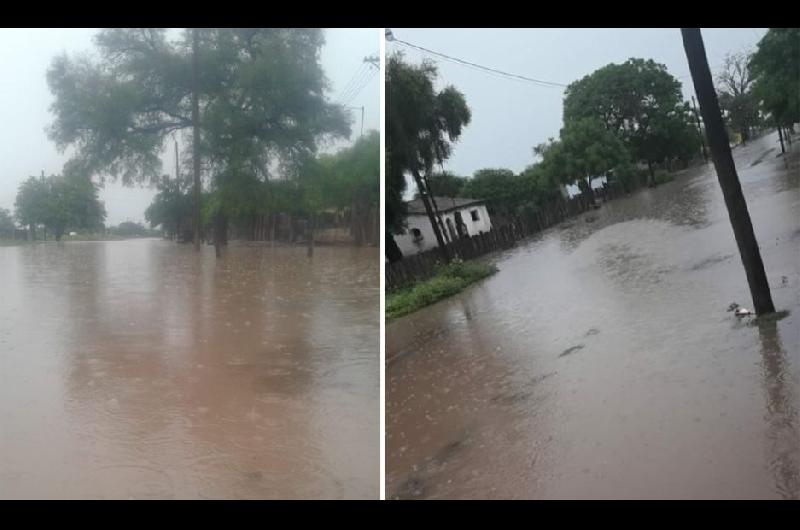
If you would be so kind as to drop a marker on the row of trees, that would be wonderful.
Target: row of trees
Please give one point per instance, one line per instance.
(615, 118)
(346, 182)
(250, 102)
(762, 88)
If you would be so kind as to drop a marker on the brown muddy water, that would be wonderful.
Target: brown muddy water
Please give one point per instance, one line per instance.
(600, 361)
(138, 369)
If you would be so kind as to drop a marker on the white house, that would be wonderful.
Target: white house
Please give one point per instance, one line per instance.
(460, 218)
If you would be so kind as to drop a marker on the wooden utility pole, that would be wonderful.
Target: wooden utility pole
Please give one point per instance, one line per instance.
(195, 141)
(700, 130)
(726, 171)
(423, 194)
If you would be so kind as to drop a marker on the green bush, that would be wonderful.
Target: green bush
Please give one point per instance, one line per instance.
(448, 280)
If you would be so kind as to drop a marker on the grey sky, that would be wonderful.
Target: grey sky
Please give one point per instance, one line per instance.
(509, 117)
(25, 55)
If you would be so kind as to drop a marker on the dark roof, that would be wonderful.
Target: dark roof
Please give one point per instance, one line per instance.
(444, 204)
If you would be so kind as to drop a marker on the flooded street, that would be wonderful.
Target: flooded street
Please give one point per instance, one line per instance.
(138, 369)
(600, 361)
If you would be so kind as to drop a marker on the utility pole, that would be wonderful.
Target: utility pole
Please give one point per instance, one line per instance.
(374, 61)
(726, 171)
(362, 117)
(700, 130)
(195, 141)
(177, 170)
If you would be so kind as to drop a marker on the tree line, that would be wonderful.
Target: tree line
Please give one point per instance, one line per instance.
(622, 121)
(247, 104)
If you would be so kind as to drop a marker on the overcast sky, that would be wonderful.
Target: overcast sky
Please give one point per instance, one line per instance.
(509, 117)
(25, 55)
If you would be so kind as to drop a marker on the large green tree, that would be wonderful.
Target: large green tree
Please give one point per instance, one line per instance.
(421, 125)
(586, 150)
(60, 203)
(261, 92)
(775, 67)
(640, 102)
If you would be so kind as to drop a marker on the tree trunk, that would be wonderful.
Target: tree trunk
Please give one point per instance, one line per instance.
(311, 235)
(788, 136)
(220, 233)
(726, 171)
(195, 141)
(652, 179)
(780, 137)
(423, 193)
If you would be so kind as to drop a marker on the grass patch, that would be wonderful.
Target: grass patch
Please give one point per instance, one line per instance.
(448, 280)
(662, 177)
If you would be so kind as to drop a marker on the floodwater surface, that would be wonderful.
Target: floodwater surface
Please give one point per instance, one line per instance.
(139, 369)
(600, 361)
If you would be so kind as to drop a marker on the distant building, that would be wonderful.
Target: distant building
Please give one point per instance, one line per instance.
(460, 218)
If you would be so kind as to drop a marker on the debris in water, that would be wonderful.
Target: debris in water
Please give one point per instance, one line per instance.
(739, 311)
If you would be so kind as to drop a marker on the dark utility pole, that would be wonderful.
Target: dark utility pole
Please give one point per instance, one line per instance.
(195, 141)
(726, 171)
(700, 130)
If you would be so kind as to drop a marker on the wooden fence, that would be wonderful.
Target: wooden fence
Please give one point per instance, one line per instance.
(423, 265)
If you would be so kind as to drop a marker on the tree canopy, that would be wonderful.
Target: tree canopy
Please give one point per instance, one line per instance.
(446, 184)
(775, 66)
(421, 124)
(262, 100)
(60, 203)
(640, 102)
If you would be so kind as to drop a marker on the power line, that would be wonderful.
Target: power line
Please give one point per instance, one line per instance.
(360, 72)
(357, 90)
(518, 77)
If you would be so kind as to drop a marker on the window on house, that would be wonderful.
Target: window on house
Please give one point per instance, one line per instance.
(474, 214)
(416, 233)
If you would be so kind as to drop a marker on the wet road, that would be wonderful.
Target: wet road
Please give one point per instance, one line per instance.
(137, 369)
(600, 361)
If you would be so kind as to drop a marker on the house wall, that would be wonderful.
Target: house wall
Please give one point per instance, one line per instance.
(409, 246)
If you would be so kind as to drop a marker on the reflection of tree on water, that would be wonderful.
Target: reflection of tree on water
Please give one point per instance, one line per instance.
(782, 417)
